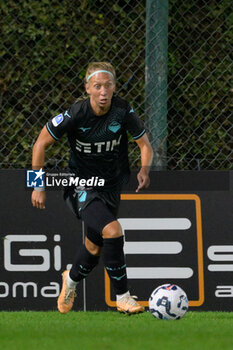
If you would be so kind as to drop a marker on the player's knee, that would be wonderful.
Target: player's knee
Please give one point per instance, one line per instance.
(92, 248)
(112, 230)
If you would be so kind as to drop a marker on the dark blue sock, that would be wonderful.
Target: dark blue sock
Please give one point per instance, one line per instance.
(84, 262)
(114, 262)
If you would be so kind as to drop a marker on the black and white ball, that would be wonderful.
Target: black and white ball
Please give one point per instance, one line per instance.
(168, 302)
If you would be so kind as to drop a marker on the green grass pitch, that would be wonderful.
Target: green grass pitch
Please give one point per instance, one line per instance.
(112, 330)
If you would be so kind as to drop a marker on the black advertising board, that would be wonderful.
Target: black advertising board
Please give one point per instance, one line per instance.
(35, 246)
(179, 231)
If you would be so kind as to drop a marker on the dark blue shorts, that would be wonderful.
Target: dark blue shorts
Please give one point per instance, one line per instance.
(96, 209)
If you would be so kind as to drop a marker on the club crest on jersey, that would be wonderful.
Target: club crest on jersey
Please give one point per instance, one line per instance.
(57, 120)
(114, 127)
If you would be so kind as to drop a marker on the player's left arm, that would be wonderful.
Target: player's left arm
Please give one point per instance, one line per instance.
(146, 160)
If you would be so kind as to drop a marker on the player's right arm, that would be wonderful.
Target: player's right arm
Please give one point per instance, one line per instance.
(38, 158)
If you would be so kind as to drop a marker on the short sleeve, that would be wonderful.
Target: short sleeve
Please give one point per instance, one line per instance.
(134, 124)
(60, 124)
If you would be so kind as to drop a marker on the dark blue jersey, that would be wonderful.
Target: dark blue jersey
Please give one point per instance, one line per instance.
(98, 144)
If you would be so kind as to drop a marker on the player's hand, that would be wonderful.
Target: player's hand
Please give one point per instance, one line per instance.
(38, 199)
(143, 179)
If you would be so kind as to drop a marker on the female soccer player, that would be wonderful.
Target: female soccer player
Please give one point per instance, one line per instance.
(96, 129)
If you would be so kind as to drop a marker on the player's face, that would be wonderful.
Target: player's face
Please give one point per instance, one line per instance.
(100, 87)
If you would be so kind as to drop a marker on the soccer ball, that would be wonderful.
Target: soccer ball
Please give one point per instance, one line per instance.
(168, 302)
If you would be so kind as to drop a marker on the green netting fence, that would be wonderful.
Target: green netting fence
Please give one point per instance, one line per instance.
(45, 48)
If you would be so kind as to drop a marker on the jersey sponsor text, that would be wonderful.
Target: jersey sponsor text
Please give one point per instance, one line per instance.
(97, 147)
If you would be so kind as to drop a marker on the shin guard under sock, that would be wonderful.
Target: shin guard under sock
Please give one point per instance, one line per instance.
(114, 262)
(84, 262)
